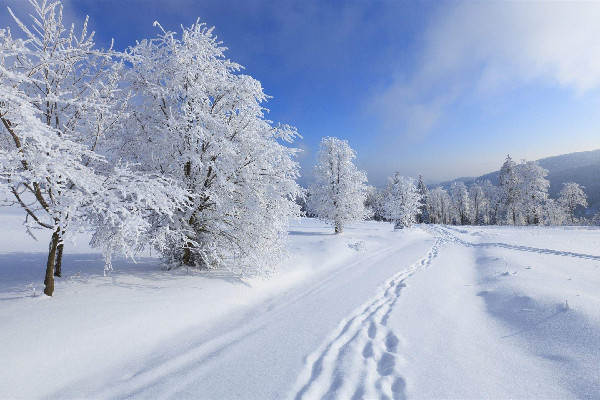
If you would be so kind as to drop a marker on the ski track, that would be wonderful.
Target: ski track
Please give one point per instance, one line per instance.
(188, 359)
(443, 232)
(361, 358)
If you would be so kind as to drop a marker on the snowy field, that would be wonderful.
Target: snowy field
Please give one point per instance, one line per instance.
(432, 312)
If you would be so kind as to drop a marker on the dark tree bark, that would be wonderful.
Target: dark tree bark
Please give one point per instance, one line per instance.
(338, 227)
(187, 256)
(49, 280)
(58, 265)
(187, 249)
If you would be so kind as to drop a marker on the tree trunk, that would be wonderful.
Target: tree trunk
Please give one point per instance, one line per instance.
(187, 250)
(187, 255)
(58, 265)
(338, 227)
(49, 280)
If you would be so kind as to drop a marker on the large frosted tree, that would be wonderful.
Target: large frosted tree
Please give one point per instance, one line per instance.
(59, 99)
(339, 191)
(402, 201)
(199, 121)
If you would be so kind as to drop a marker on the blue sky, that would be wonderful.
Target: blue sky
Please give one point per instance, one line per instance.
(439, 89)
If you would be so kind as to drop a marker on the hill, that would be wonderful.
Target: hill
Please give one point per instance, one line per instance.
(580, 167)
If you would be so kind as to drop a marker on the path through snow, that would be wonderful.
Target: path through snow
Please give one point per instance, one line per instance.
(361, 360)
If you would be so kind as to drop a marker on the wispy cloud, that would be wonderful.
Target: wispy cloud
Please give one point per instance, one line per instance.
(478, 48)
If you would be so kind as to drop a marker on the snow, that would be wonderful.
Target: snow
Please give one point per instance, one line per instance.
(425, 312)
(504, 335)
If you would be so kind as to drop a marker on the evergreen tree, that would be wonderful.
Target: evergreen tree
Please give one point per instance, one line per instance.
(423, 216)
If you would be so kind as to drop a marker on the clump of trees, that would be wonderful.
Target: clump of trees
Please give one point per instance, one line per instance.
(164, 145)
(520, 198)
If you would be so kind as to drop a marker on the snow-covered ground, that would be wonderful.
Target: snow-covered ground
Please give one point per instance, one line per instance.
(452, 312)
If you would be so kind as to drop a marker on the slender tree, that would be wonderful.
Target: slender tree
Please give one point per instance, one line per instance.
(509, 185)
(339, 191)
(423, 216)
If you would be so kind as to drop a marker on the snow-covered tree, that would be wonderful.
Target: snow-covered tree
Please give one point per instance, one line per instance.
(59, 99)
(402, 201)
(509, 186)
(198, 121)
(374, 203)
(554, 213)
(478, 204)
(595, 220)
(533, 190)
(440, 205)
(494, 202)
(339, 191)
(570, 197)
(460, 202)
(423, 216)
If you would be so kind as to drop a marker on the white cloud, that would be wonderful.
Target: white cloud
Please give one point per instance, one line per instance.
(478, 48)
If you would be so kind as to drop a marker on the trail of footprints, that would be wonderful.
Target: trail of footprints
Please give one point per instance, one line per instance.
(361, 360)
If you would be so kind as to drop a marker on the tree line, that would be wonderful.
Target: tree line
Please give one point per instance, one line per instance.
(341, 195)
